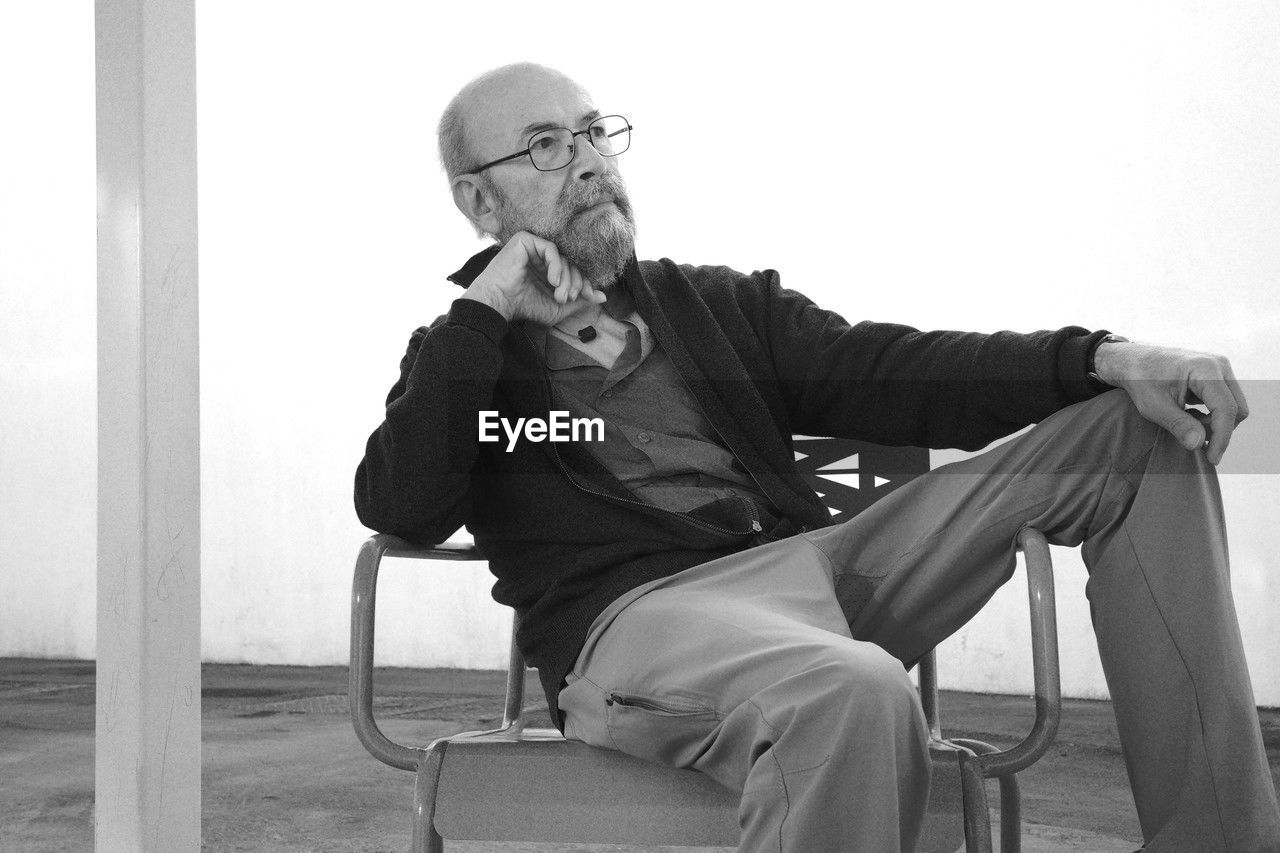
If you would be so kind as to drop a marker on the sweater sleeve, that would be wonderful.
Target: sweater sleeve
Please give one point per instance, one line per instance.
(415, 478)
(895, 385)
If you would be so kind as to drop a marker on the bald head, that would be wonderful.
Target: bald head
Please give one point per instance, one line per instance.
(494, 109)
(580, 205)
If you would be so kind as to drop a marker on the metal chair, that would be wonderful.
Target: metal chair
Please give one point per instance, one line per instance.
(515, 783)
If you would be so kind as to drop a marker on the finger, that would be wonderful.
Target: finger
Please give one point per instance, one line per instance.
(1167, 413)
(562, 282)
(1242, 405)
(597, 294)
(576, 283)
(547, 256)
(560, 279)
(551, 258)
(591, 293)
(1222, 416)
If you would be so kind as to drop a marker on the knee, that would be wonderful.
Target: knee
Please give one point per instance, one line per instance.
(873, 678)
(1112, 424)
(855, 705)
(1115, 408)
(855, 687)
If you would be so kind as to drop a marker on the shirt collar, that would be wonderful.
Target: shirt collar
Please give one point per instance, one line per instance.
(558, 355)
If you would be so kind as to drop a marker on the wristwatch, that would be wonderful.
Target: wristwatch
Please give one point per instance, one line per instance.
(1093, 353)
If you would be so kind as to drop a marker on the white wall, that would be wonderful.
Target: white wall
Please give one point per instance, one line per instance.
(982, 166)
(48, 332)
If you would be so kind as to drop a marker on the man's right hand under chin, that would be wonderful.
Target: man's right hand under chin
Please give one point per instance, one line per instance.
(529, 280)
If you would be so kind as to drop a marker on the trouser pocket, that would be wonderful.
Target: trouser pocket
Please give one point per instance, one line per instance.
(669, 730)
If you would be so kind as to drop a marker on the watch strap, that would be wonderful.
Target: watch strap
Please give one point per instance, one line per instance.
(1092, 371)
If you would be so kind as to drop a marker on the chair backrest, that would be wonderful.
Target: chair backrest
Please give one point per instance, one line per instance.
(851, 475)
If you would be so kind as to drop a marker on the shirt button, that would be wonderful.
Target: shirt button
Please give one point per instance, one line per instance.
(644, 436)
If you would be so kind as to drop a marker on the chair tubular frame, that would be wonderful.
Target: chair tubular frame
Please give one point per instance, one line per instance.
(978, 761)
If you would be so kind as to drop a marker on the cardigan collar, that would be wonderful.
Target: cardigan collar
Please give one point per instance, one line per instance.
(474, 266)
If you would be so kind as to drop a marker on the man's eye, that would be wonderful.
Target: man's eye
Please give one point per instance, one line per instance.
(598, 131)
(544, 143)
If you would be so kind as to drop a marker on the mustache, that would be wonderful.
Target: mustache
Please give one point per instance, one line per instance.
(580, 195)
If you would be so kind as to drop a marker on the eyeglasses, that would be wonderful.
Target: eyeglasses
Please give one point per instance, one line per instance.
(555, 148)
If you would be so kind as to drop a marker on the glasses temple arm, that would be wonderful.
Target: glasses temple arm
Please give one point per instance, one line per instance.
(501, 160)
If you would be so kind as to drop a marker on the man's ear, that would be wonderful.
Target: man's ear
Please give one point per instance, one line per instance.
(475, 204)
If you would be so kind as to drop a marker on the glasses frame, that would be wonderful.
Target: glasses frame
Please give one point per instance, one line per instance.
(573, 147)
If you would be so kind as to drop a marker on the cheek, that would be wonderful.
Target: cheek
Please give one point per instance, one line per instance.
(540, 203)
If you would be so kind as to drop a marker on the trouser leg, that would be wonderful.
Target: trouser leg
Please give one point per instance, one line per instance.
(744, 669)
(835, 757)
(918, 564)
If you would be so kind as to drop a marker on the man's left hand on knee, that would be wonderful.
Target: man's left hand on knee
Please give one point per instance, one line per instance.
(1162, 381)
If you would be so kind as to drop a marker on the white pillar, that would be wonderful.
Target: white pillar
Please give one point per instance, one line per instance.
(147, 749)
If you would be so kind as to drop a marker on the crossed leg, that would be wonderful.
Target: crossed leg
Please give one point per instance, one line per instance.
(1149, 516)
(778, 671)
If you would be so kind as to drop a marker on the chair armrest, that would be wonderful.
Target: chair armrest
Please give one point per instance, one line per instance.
(1044, 652)
(363, 590)
(393, 546)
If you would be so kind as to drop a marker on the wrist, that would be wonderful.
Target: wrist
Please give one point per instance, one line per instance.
(490, 297)
(1102, 365)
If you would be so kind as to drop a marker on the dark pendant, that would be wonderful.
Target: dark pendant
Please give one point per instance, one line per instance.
(587, 334)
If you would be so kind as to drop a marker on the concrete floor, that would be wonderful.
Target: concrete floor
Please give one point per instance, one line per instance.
(283, 770)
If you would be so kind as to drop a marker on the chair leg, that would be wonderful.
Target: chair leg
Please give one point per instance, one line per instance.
(1010, 799)
(1010, 815)
(425, 837)
(977, 815)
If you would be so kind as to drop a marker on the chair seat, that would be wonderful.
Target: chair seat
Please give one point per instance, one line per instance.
(557, 790)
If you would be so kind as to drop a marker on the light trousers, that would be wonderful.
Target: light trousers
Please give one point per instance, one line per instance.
(779, 671)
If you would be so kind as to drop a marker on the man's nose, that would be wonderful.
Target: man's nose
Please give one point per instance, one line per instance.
(587, 161)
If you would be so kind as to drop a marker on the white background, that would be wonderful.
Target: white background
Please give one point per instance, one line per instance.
(977, 166)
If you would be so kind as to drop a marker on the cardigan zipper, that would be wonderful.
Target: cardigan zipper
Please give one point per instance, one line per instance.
(546, 385)
(755, 524)
(751, 505)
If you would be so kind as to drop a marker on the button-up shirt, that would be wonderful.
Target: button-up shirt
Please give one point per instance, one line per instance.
(657, 440)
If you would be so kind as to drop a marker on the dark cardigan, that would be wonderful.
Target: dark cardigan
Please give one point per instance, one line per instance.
(565, 538)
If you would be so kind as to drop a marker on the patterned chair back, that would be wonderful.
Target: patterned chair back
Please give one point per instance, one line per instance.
(850, 475)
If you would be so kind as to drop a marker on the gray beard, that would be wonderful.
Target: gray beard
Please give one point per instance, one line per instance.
(599, 244)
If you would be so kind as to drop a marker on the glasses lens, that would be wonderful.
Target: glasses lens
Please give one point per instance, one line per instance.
(611, 135)
(551, 149)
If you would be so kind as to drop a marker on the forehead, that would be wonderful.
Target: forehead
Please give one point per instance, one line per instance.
(502, 112)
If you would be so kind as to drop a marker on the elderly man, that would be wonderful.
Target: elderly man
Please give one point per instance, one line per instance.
(684, 595)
